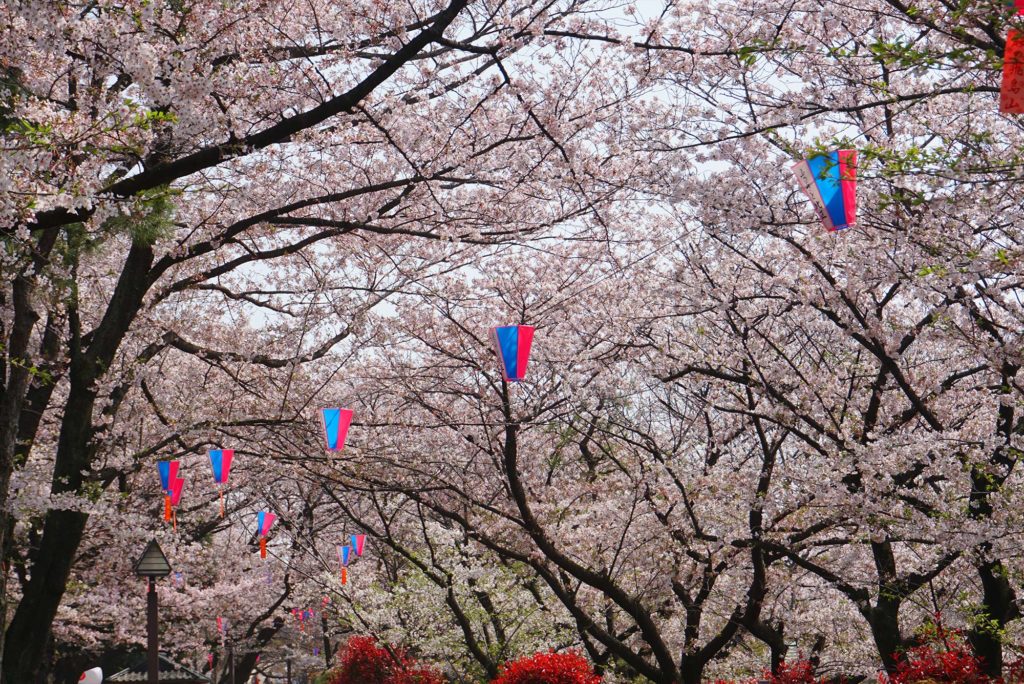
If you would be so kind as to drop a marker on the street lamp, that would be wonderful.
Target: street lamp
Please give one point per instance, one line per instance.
(151, 565)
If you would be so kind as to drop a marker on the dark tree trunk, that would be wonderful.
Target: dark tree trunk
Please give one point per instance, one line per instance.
(15, 382)
(999, 607)
(29, 630)
(326, 641)
(999, 603)
(692, 672)
(246, 664)
(885, 629)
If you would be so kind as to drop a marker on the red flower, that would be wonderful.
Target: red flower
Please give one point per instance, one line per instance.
(955, 665)
(800, 672)
(548, 668)
(364, 662)
(944, 658)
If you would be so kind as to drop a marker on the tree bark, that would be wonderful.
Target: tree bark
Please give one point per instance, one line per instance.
(999, 606)
(62, 530)
(884, 620)
(245, 665)
(15, 378)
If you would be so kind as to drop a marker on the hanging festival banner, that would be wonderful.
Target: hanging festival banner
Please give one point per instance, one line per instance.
(220, 461)
(512, 345)
(1011, 90)
(264, 521)
(168, 471)
(830, 182)
(177, 486)
(335, 422)
(358, 542)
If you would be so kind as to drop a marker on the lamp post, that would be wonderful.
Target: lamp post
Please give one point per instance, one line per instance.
(151, 565)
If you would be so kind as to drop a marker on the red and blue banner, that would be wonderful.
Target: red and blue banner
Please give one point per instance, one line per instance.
(336, 422)
(177, 484)
(264, 521)
(220, 460)
(358, 542)
(830, 182)
(168, 471)
(512, 345)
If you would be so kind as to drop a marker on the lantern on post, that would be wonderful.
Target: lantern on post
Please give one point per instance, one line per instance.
(151, 565)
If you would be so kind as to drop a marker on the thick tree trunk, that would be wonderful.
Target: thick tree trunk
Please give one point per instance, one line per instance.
(885, 629)
(999, 607)
(30, 629)
(246, 664)
(999, 603)
(692, 672)
(62, 530)
(17, 368)
(62, 534)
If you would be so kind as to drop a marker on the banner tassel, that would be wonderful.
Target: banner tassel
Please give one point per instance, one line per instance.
(263, 547)
(344, 575)
(167, 508)
(221, 492)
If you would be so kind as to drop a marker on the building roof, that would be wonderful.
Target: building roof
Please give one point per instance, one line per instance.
(169, 672)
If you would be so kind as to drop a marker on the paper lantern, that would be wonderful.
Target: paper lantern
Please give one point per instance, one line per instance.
(168, 473)
(264, 521)
(344, 554)
(220, 461)
(177, 486)
(512, 345)
(93, 676)
(358, 542)
(830, 182)
(336, 422)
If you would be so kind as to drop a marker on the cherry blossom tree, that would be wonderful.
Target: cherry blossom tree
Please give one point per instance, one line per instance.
(737, 433)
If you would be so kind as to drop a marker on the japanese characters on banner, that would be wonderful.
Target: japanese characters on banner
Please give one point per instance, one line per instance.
(1011, 91)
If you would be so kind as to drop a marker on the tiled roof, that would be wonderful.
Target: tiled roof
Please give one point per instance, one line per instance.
(169, 672)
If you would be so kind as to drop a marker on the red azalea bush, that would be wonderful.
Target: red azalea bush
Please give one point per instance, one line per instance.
(955, 664)
(363, 661)
(548, 668)
(799, 672)
(944, 656)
